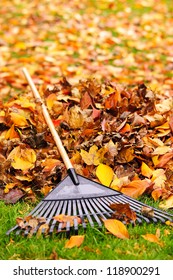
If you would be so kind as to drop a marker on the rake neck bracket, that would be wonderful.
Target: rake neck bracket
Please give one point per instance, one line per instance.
(73, 176)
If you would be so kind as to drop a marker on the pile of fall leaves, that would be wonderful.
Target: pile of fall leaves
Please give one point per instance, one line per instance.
(121, 137)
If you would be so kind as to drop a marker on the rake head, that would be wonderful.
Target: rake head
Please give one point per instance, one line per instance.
(88, 203)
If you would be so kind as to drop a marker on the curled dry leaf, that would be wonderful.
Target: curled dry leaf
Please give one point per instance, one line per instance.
(117, 228)
(123, 212)
(74, 241)
(66, 218)
(147, 211)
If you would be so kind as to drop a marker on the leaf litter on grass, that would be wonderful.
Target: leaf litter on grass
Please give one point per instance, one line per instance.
(113, 122)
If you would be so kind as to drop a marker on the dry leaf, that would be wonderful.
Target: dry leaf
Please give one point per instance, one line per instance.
(66, 218)
(135, 188)
(105, 174)
(146, 170)
(153, 238)
(147, 211)
(74, 241)
(23, 159)
(94, 156)
(123, 212)
(167, 204)
(117, 228)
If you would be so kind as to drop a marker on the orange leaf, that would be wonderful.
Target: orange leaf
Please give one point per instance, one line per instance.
(125, 129)
(105, 174)
(152, 238)
(135, 188)
(117, 228)
(156, 194)
(112, 101)
(11, 133)
(164, 159)
(75, 240)
(49, 164)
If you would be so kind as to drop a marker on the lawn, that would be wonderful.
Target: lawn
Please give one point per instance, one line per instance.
(122, 45)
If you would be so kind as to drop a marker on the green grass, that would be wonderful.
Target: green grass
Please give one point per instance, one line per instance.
(98, 245)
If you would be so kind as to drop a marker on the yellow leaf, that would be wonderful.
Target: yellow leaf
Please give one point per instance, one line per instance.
(74, 241)
(152, 238)
(167, 204)
(9, 186)
(105, 174)
(18, 120)
(146, 170)
(50, 100)
(23, 159)
(117, 228)
(94, 156)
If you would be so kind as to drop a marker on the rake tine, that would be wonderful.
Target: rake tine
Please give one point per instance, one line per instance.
(81, 213)
(90, 205)
(87, 213)
(58, 211)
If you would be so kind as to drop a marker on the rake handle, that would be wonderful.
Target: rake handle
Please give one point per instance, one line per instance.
(51, 126)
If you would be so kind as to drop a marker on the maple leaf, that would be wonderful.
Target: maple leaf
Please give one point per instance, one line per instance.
(94, 156)
(23, 159)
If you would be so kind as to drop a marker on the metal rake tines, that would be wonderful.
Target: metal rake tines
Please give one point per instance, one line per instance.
(90, 211)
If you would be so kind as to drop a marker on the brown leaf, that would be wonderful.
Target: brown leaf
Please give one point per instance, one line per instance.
(147, 211)
(12, 196)
(117, 228)
(66, 218)
(123, 212)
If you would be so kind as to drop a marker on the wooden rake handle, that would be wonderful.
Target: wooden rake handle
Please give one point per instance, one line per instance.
(51, 126)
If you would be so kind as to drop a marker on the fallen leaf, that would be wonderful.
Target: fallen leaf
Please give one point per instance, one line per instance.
(94, 156)
(153, 238)
(146, 170)
(105, 174)
(117, 228)
(147, 211)
(135, 188)
(164, 159)
(66, 218)
(167, 204)
(123, 212)
(74, 241)
(23, 159)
